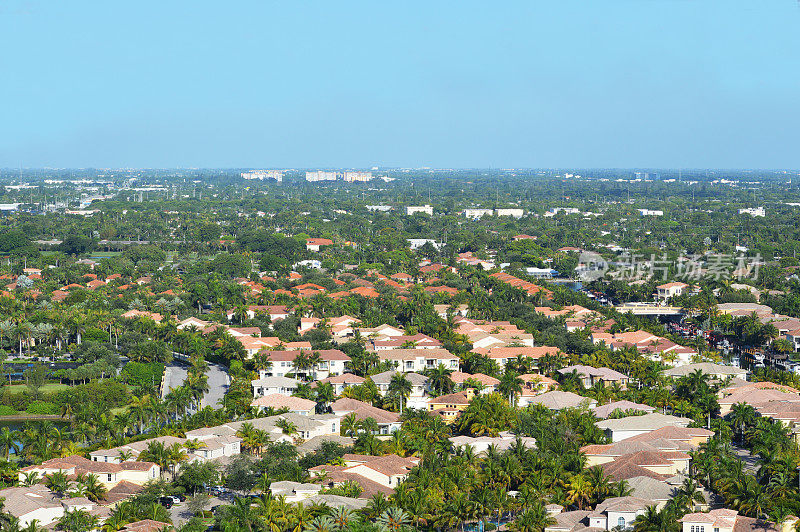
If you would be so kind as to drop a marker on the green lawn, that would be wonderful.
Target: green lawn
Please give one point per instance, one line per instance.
(47, 388)
(105, 254)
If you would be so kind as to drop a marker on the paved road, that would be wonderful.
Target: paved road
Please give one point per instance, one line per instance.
(750, 461)
(218, 382)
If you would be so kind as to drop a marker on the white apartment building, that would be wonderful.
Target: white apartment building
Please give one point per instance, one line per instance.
(475, 214)
(321, 175)
(357, 177)
(261, 175)
(514, 213)
(424, 209)
(756, 212)
(648, 212)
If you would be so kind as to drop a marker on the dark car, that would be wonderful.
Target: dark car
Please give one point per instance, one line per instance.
(166, 502)
(181, 497)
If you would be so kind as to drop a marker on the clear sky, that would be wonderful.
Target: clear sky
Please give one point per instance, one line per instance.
(339, 83)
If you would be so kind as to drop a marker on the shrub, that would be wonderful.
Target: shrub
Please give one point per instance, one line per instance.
(7, 411)
(42, 408)
(142, 373)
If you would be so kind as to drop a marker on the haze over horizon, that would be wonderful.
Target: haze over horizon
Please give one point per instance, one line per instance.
(570, 84)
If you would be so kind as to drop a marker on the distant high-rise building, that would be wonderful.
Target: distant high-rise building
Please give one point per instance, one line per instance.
(321, 175)
(357, 177)
(277, 175)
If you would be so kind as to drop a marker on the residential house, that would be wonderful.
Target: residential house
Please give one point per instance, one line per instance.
(417, 360)
(503, 442)
(604, 411)
(451, 405)
(388, 422)
(489, 384)
(315, 244)
(341, 382)
(627, 427)
(332, 362)
(591, 376)
(279, 401)
(714, 371)
(618, 513)
(668, 290)
(501, 354)
(270, 385)
(725, 520)
(107, 473)
(419, 383)
(558, 400)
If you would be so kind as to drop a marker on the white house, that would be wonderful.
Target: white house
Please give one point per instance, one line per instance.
(270, 385)
(668, 290)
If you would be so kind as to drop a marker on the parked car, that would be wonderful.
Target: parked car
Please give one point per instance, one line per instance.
(166, 502)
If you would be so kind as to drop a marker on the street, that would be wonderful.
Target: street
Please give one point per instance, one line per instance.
(218, 381)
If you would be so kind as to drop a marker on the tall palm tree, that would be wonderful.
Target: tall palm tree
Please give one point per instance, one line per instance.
(440, 379)
(401, 387)
(653, 520)
(532, 519)
(93, 488)
(8, 442)
(510, 386)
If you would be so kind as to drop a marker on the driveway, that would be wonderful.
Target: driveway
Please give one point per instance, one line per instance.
(218, 382)
(750, 461)
(180, 513)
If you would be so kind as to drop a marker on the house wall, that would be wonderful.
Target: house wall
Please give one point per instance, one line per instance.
(45, 516)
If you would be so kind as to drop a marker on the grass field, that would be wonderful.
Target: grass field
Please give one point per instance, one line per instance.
(47, 388)
(105, 254)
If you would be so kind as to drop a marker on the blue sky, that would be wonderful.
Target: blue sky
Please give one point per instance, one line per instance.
(302, 83)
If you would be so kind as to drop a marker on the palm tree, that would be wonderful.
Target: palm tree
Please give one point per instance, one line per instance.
(140, 411)
(93, 488)
(77, 521)
(286, 426)
(401, 387)
(324, 395)
(741, 414)
(176, 454)
(57, 482)
(8, 442)
(393, 519)
(440, 379)
(533, 519)
(579, 491)
(243, 514)
(688, 494)
(350, 425)
(343, 518)
(654, 521)
(157, 453)
(30, 479)
(510, 386)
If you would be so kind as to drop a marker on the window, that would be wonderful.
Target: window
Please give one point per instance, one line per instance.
(109, 477)
(621, 522)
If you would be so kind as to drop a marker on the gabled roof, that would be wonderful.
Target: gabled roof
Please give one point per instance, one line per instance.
(647, 422)
(557, 400)
(363, 411)
(606, 410)
(279, 400)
